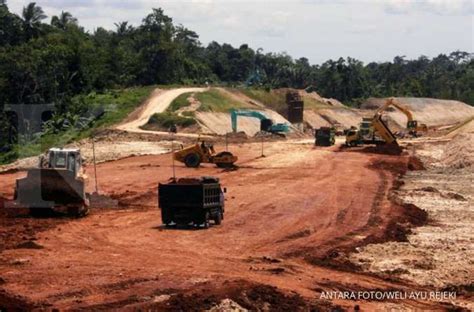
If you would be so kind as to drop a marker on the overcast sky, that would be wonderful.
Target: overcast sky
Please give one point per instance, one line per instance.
(369, 30)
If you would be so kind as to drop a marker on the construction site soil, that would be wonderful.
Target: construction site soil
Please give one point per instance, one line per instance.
(292, 220)
(300, 222)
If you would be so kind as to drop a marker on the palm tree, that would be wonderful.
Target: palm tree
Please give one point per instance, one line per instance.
(32, 17)
(123, 28)
(63, 20)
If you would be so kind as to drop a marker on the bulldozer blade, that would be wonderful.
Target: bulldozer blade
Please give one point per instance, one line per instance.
(47, 188)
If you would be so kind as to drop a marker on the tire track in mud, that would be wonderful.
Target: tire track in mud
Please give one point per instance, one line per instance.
(270, 211)
(337, 249)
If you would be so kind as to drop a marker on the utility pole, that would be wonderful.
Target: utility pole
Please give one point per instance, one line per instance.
(95, 166)
(172, 157)
(263, 155)
(226, 143)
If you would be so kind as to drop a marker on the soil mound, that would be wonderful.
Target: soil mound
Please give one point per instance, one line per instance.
(459, 152)
(433, 112)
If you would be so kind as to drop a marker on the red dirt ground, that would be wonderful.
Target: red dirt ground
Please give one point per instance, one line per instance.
(291, 217)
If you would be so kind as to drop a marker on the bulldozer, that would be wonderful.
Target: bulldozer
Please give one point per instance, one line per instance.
(57, 186)
(194, 155)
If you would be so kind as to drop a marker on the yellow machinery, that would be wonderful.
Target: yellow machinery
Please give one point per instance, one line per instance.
(413, 126)
(194, 155)
(57, 186)
(369, 131)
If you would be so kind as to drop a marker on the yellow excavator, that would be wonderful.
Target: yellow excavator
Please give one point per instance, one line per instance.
(196, 154)
(414, 128)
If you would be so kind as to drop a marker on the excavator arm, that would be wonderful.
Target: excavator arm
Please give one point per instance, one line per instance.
(412, 124)
(246, 113)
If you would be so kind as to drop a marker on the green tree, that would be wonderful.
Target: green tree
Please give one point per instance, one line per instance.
(32, 17)
(63, 20)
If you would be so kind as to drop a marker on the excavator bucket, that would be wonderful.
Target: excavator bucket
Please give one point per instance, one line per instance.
(52, 189)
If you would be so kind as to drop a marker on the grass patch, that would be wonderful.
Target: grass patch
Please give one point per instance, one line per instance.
(217, 101)
(118, 104)
(276, 99)
(180, 102)
(271, 99)
(166, 120)
(312, 103)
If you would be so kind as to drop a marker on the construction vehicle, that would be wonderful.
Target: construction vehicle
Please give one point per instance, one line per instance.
(196, 200)
(325, 136)
(192, 156)
(371, 131)
(56, 186)
(414, 128)
(295, 107)
(266, 124)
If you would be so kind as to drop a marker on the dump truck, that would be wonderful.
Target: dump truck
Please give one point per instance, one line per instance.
(56, 186)
(191, 200)
(192, 156)
(325, 136)
(371, 131)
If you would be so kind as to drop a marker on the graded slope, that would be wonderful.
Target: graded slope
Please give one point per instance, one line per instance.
(432, 112)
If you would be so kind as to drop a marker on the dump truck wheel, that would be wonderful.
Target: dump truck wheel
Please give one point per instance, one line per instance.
(206, 219)
(166, 217)
(192, 160)
(225, 165)
(218, 218)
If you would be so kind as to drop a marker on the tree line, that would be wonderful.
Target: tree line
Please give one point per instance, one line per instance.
(50, 60)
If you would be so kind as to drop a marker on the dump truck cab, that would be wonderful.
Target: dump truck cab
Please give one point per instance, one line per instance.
(191, 200)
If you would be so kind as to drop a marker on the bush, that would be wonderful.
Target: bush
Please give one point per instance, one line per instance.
(216, 101)
(179, 102)
(166, 120)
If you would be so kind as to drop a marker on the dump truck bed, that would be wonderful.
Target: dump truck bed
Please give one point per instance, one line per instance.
(197, 195)
(191, 200)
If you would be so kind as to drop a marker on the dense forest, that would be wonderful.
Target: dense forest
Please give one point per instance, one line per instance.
(52, 59)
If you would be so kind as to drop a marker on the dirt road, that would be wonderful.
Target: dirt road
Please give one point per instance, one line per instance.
(291, 219)
(157, 103)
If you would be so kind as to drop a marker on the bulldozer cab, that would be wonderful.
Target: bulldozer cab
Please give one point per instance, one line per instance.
(65, 159)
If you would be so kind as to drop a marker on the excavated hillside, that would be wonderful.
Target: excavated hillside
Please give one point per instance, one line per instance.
(432, 112)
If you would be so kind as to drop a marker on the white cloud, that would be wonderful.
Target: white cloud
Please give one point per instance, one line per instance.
(441, 7)
(317, 29)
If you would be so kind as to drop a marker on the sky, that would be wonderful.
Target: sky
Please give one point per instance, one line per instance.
(369, 30)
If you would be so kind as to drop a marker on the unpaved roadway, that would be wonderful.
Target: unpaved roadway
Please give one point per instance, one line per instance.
(158, 102)
(291, 219)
